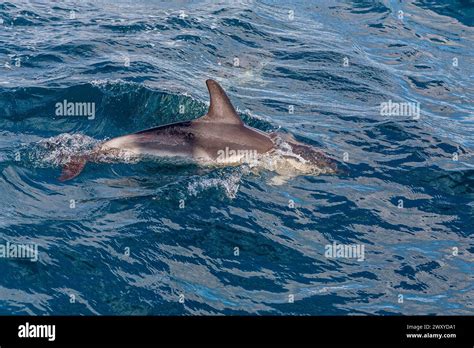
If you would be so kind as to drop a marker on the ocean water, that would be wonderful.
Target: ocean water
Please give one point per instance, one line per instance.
(147, 238)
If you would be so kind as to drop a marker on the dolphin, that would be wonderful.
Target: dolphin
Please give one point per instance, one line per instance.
(218, 138)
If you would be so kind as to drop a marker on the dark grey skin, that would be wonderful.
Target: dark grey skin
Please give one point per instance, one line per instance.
(199, 141)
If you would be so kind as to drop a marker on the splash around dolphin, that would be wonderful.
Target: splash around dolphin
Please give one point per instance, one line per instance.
(219, 138)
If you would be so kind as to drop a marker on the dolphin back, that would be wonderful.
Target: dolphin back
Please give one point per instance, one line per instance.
(223, 116)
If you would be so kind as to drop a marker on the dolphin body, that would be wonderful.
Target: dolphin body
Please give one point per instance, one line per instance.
(217, 138)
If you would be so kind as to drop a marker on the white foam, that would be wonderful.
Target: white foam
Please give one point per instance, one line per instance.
(229, 184)
(58, 150)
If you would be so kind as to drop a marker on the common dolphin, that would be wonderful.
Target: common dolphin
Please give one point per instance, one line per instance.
(217, 138)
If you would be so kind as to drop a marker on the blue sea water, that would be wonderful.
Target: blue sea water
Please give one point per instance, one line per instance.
(143, 238)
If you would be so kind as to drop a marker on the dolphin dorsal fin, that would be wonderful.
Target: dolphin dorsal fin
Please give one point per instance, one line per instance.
(221, 109)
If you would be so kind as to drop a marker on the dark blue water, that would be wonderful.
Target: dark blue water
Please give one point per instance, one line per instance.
(135, 238)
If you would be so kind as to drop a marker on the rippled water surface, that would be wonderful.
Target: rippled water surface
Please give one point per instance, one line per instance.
(135, 237)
